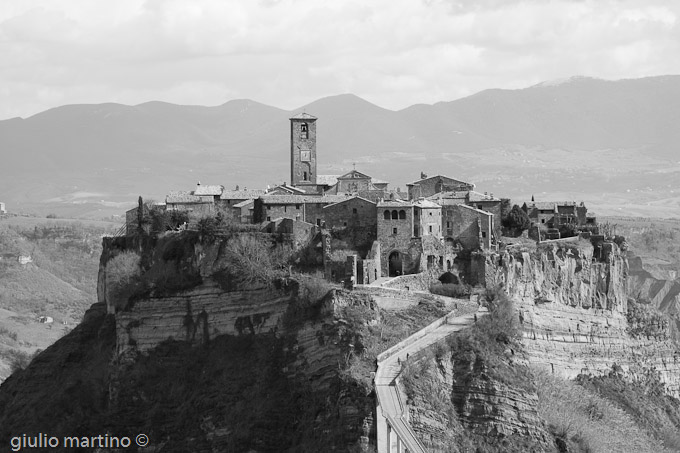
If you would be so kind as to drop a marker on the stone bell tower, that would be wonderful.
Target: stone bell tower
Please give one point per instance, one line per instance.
(303, 150)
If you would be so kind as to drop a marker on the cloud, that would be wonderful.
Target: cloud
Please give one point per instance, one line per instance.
(290, 52)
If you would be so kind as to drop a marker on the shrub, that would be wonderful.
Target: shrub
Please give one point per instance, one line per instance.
(122, 273)
(251, 260)
(18, 360)
(208, 228)
(313, 289)
(8, 333)
(517, 219)
(644, 320)
(451, 290)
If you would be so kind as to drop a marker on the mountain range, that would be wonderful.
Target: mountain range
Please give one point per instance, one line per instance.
(612, 144)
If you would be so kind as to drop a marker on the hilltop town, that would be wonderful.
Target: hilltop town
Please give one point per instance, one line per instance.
(394, 232)
(460, 313)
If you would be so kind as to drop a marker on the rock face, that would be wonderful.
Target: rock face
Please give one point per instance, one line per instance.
(306, 338)
(199, 314)
(572, 312)
(484, 407)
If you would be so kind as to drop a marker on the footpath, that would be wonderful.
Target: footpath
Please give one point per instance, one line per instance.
(394, 432)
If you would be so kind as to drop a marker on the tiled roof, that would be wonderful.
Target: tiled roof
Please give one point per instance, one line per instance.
(354, 174)
(241, 194)
(300, 199)
(182, 196)
(348, 199)
(542, 205)
(426, 204)
(208, 190)
(476, 196)
(479, 211)
(243, 204)
(303, 116)
(394, 204)
(449, 198)
(440, 177)
(565, 203)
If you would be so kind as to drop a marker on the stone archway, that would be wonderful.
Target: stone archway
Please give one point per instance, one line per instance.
(395, 264)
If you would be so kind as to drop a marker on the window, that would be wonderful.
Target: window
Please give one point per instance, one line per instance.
(386, 215)
(448, 224)
(354, 210)
(304, 178)
(430, 213)
(394, 230)
(344, 223)
(285, 208)
(430, 228)
(542, 220)
(395, 215)
(297, 206)
(484, 234)
(415, 230)
(268, 207)
(402, 214)
(269, 219)
(479, 206)
(304, 130)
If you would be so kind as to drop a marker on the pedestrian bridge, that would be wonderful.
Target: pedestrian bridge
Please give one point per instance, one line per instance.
(395, 434)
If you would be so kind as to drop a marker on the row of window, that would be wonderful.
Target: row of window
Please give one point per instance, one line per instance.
(394, 215)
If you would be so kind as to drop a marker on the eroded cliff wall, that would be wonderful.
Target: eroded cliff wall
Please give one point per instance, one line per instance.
(572, 310)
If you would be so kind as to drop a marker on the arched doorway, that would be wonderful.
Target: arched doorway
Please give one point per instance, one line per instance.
(395, 265)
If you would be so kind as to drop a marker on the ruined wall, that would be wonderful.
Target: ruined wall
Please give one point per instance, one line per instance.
(572, 312)
(463, 224)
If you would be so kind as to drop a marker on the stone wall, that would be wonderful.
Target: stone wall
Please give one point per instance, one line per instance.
(355, 212)
(468, 226)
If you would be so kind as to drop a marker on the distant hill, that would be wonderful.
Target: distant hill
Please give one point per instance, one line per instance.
(612, 143)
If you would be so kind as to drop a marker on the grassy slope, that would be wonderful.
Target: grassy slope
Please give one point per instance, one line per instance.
(61, 282)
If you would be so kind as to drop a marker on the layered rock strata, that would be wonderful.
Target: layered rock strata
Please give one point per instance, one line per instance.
(572, 312)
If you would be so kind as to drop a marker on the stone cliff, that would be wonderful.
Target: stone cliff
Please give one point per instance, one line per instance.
(572, 311)
(201, 364)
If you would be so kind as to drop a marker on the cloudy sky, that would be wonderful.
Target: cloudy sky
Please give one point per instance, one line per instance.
(287, 53)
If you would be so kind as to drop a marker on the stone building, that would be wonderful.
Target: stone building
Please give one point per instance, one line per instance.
(410, 236)
(230, 198)
(2, 208)
(357, 183)
(351, 212)
(208, 193)
(426, 187)
(468, 227)
(183, 200)
(540, 212)
(243, 211)
(308, 208)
